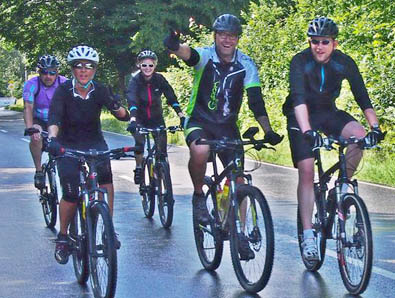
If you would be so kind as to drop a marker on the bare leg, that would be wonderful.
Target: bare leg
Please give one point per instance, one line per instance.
(306, 191)
(66, 214)
(110, 192)
(197, 165)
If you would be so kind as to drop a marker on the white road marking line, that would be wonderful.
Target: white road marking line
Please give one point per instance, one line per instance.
(25, 140)
(3, 130)
(331, 253)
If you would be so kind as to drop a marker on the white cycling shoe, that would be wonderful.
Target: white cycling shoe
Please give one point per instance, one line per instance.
(310, 250)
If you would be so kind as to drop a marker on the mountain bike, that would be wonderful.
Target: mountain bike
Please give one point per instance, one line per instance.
(51, 192)
(244, 213)
(156, 180)
(91, 232)
(342, 217)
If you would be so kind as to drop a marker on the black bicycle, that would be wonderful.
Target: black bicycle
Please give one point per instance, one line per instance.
(156, 181)
(91, 232)
(341, 217)
(243, 214)
(50, 192)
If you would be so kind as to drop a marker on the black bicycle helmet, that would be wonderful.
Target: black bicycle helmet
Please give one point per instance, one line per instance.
(229, 23)
(48, 61)
(322, 26)
(147, 54)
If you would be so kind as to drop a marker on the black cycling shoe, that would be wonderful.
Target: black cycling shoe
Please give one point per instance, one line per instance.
(137, 175)
(200, 212)
(62, 249)
(39, 180)
(117, 243)
(246, 253)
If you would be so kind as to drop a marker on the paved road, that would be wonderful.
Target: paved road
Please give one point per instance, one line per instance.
(154, 262)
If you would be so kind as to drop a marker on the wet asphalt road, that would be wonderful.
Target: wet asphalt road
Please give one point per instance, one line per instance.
(154, 262)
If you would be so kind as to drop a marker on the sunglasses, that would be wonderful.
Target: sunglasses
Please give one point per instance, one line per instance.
(81, 65)
(147, 65)
(317, 42)
(48, 72)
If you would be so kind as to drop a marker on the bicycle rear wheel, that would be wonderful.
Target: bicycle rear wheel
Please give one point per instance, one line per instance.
(256, 226)
(77, 233)
(355, 255)
(208, 239)
(147, 188)
(103, 259)
(319, 232)
(49, 197)
(165, 195)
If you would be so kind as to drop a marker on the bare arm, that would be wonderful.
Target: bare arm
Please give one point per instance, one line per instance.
(53, 131)
(28, 114)
(302, 117)
(371, 117)
(184, 52)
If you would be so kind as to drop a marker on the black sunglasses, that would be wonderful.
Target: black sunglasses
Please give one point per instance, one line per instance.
(80, 65)
(317, 42)
(145, 65)
(48, 72)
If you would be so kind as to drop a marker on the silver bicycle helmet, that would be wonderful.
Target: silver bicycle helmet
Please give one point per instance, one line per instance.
(48, 61)
(147, 54)
(82, 53)
(322, 26)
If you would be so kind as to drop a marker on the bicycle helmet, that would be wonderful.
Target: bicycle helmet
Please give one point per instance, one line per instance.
(147, 54)
(82, 53)
(228, 23)
(322, 26)
(48, 61)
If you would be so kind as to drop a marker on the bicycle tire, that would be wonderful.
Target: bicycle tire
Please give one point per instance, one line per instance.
(147, 188)
(165, 195)
(48, 197)
(77, 232)
(319, 232)
(253, 274)
(355, 257)
(208, 239)
(103, 258)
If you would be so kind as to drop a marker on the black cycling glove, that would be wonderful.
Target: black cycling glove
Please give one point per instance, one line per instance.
(172, 41)
(115, 103)
(54, 148)
(273, 138)
(314, 138)
(374, 137)
(132, 126)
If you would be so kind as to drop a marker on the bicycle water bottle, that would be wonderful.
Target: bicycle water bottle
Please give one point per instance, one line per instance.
(225, 195)
(219, 194)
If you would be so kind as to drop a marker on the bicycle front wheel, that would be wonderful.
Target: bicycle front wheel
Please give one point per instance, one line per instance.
(49, 197)
(165, 195)
(256, 230)
(208, 239)
(77, 234)
(355, 254)
(103, 258)
(147, 188)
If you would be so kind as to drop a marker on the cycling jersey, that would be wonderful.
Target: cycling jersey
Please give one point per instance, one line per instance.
(218, 87)
(144, 98)
(36, 93)
(318, 85)
(78, 119)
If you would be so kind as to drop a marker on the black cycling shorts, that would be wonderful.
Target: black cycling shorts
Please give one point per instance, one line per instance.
(329, 122)
(69, 176)
(196, 129)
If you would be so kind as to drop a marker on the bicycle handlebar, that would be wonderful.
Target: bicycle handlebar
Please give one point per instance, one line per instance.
(93, 153)
(226, 144)
(145, 130)
(32, 130)
(363, 143)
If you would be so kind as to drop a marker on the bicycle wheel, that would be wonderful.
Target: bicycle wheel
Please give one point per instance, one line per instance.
(319, 232)
(49, 197)
(355, 255)
(77, 234)
(257, 226)
(147, 188)
(165, 195)
(208, 240)
(103, 259)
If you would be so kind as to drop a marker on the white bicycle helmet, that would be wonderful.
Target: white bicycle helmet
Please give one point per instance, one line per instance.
(147, 54)
(82, 53)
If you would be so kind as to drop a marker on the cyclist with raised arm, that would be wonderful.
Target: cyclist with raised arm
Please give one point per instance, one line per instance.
(222, 72)
(145, 105)
(74, 122)
(316, 75)
(37, 96)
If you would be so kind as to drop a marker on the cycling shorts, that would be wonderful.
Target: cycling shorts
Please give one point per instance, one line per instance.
(161, 142)
(328, 122)
(69, 175)
(197, 129)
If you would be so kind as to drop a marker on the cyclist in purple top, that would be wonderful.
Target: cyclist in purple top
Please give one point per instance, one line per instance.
(37, 96)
